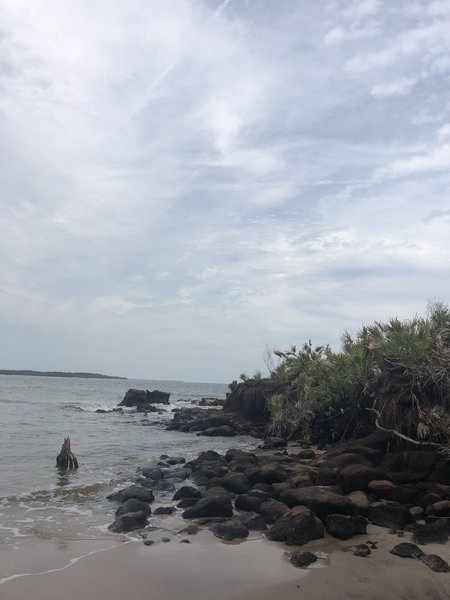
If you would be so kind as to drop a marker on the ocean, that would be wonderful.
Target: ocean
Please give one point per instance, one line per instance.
(37, 501)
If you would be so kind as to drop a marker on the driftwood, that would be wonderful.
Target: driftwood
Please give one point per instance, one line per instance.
(66, 459)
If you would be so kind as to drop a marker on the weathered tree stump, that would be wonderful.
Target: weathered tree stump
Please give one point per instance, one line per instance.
(66, 459)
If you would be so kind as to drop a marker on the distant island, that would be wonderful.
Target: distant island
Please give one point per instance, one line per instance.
(57, 374)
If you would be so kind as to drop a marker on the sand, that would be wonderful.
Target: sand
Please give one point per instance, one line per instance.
(209, 569)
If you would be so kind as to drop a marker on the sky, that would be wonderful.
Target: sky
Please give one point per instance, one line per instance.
(185, 184)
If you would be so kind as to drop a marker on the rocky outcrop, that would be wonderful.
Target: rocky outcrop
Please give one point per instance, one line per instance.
(141, 398)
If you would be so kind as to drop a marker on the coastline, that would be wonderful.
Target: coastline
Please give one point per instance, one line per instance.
(256, 569)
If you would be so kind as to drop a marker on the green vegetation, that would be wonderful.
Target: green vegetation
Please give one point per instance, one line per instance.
(393, 375)
(57, 374)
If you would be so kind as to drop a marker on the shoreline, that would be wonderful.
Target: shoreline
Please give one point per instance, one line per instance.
(255, 569)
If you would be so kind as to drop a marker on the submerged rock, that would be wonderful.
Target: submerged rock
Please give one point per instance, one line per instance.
(133, 491)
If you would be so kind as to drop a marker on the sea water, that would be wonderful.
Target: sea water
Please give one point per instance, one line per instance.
(39, 502)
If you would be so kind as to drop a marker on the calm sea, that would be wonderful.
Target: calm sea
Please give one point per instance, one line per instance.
(36, 501)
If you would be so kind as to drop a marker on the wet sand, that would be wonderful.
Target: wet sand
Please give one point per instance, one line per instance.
(256, 569)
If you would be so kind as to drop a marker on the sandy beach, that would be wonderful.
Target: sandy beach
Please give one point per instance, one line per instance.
(255, 569)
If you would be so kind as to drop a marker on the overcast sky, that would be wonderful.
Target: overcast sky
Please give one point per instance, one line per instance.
(187, 182)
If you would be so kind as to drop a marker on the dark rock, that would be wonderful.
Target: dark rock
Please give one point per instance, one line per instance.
(148, 542)
(252, 521)
(274, 442)
(133, 505)
(187, 502)
(407, 550)
(344, 527)
(302, 559)
(357, 477)
(164, 510)
(152, 473)
(230, 531)
(268, 473)
(129, 522)
(236, 482)
(247, 502)
(436, 563)
(192, 529)
(296, 527)
(389, 514)
(175, 460)
(327, 476)
(410, 466)
(272, 510)
(361, 502)
(432, 532)
(306, 455)
(187, 491)
(361, 550)
(176, 473)
(321, 501)
(133, 491)
(386, 490)
(439, 509)
(211, 506)
(140, 397)
(221, 431)
(166, 540)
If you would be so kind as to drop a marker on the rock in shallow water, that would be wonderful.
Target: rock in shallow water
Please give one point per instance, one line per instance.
(129, 522)
(133, 491)
(211, 506)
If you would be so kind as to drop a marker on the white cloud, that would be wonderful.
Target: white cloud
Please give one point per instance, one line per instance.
(402, 87)
(180, 174)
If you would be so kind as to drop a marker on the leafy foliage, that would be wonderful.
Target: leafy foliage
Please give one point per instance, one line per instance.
(398, 372)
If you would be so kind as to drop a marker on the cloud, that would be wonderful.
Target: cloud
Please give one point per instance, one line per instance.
(184, 182)
(436, 160)
(402, 87)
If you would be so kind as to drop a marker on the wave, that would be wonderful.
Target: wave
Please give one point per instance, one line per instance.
(66, 493)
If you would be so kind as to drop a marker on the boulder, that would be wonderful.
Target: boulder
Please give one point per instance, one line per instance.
(252, 521)
(164, 510)
(407, 550)
(236, 482)
(152, 473)
(221, 431)
(272, 510)
(187, 491)
(344, 527)
(386, 490)
(436, 563)
(133, 505)
(357, 477)
(320, 500)
(187, 502)
(432, 532)
(230, 531)
(248, 503)
(133, 491)
(297, 526)
(268, 473)
(211, 506)
(389, 514)
(141, 397)
(302, 559)
(306, 454)
(361, 502)
(438, 509)
(129, 522)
